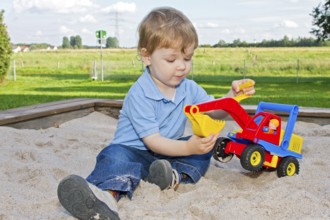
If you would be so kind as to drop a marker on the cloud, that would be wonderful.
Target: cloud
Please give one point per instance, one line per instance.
(39, 33)
(208, 25)
(212, 25)
(266, 36)
(86, 31)
(225, 31)
(88, 18)
(58, 6)
(120, 7)
(288, 24)
(67, 31)
(240, 30)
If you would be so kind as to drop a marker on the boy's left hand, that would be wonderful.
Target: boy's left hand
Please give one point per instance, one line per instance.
(236, 90)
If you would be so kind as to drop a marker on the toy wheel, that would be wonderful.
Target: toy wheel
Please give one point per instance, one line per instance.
(253, 157)
(288, 167)
(219, 153)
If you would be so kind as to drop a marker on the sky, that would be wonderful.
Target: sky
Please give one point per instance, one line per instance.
(48, 21)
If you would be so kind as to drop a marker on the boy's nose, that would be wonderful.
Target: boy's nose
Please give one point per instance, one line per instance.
(181, 66)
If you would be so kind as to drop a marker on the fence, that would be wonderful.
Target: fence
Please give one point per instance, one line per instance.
(123, 64)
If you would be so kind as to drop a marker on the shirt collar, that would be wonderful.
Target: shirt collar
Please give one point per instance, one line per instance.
(151, 90)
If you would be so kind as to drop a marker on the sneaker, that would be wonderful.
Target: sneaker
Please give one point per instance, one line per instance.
(77, 197)
(162, 174)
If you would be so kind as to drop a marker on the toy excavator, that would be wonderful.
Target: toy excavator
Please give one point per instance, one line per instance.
(260, 143)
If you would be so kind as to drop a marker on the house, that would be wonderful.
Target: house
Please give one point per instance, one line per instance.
(51, 48)
(21, 48)
(17, 49)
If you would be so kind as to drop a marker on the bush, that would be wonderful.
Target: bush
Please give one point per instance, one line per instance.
(5, 48)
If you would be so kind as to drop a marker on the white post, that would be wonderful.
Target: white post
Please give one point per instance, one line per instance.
(14, 64)
(94, 71)
(297, 74)
(192, 69)
(244, 70)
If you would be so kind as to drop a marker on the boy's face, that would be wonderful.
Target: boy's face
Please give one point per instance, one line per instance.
(168, 67)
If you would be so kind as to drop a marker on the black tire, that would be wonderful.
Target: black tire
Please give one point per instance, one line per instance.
(253, 157)
(219, 153)
(288, 166)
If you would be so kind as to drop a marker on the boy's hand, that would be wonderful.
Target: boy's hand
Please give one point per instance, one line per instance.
(201, 145)
(238, 90)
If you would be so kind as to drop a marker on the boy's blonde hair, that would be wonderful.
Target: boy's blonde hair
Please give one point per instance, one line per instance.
(166, 28)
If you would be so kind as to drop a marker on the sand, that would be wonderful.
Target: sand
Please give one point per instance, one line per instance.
(32, 162)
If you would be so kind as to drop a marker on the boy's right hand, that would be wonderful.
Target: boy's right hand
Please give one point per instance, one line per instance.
(202, 145)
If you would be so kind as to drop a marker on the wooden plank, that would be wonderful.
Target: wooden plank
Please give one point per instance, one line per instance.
(109, 107)
(51, 120)
(53, 113)
(38, 106)
(42, 110)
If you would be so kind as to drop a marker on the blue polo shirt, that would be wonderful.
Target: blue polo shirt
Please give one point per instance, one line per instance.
(147, 111)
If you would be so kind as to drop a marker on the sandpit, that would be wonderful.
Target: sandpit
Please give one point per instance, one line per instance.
(34, 161)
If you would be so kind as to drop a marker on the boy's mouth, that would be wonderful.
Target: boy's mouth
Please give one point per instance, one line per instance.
(180, 75)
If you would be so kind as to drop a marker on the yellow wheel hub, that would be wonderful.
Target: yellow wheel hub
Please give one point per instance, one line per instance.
(255, 158)
(291, 169)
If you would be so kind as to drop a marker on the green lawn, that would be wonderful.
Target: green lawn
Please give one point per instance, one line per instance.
(283, 75)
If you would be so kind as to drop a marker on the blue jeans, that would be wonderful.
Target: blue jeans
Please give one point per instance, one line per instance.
(120, 168)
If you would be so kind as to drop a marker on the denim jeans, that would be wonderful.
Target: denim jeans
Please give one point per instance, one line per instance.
(120, 168)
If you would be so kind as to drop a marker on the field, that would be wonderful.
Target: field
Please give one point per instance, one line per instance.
(283, 75)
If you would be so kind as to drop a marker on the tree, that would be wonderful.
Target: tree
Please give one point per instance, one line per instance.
(112, 42)
(321, 19)
(5, 48)
(221, 43)
(73, 41)
(286, 42)
(236, 42)
(78, 42)
(65, 43)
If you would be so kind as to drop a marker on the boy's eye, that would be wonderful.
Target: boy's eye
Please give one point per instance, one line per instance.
(187, 59)
(170, 60)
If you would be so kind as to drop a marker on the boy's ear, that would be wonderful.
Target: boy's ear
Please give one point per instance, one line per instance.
(145, 57)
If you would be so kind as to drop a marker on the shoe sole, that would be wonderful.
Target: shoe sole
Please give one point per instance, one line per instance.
(77, 198)
(160, 173)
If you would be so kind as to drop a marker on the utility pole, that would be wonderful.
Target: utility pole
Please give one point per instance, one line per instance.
(116, 26)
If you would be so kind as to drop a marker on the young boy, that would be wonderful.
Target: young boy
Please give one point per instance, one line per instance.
(148, 143)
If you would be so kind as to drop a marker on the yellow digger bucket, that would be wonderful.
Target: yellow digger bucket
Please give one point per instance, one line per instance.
(202, 124)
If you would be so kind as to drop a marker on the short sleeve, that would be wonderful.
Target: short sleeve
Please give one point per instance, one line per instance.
(198, 93)
(141, 113)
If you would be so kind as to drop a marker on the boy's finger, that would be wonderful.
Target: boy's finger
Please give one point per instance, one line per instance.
(235, 85)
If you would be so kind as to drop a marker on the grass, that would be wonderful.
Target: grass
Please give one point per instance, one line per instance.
(284, 75)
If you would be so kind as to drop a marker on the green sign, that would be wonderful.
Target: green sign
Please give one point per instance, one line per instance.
(101, 34)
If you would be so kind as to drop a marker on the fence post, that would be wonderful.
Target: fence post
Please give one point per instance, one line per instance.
(14, 68)
(244, 70)
(192, 69)
(297, 67)
(94, 77)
